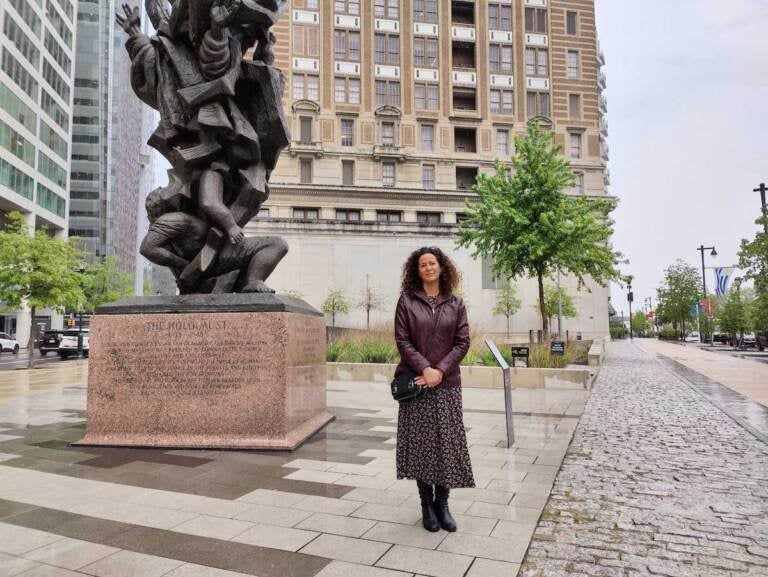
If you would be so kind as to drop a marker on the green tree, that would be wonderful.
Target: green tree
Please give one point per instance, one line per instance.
(552, 303)
(507, 303)
(146, 288)
(680, 289)
(37, 271)
(753, 260)
(640, 323)
(527, 225)
(336, 303)
(733, 314)
(104, 283)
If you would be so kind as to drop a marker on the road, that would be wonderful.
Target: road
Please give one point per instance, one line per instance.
(9, 361)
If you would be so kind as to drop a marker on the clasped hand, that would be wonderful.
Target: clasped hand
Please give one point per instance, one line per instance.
(430, 378)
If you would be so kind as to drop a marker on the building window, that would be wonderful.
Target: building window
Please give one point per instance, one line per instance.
(351, 215)
(305, 170)
(17, 145)
(389, 216)
(571, 23)
(536, 61)
(387, 93)
(428, 217)
(351, 7)
(465, 139)
(27, 14)
(425, 52)
(502, 102)
(578, 186)
(51, 170)
(538, 104)
(263, 213)
(573, 64)
(428, 137)
(306, 41)
(306, 213)
(574, 105)
(388, 174)
(22, 42)
(425, 11)
(19, 74)
(575, 145)
(466, 176)
(387, 49)
(348, 172)
(306, 87)
(501, 58)
(347, 132)
(347, 45)
(502, 143)
(489, 282)
(19, 111)
(427, 96)
(500, 17)
(305, 129)
(16, 180)
(347, 90)
(388, 134)
(428, 176)
(536, 20)
(387, 9)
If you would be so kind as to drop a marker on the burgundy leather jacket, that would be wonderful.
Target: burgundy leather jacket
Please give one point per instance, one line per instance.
(419, 349)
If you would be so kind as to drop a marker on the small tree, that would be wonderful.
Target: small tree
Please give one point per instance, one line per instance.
(37, 271)
(552, 303)
(104, 283)
(733, 314)
(680, 289)
(507, 303)
(336, 303)
(528, 226)
(753, 260)
(640, 323)
(369, 301)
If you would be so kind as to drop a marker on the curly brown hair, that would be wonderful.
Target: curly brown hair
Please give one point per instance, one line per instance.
(449, 275)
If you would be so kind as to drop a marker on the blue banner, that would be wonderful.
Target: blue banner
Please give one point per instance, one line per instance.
(722, 279)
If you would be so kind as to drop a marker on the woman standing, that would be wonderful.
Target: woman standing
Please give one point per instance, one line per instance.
(432, 336)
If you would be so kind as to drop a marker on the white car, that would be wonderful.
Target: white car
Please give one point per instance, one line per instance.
(68, 344)
(693, 337)
(8, 344)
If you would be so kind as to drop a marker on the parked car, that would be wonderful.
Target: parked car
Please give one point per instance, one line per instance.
(762, 340)
(8, 343)
(49, 342)
(693, 337)
(749, 340)
(68, 344)
(722, 338)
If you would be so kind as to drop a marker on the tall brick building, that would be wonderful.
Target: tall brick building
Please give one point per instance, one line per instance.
(395, 106)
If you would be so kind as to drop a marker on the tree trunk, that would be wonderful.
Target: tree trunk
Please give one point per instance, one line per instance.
(543, 307)
(368, 318)
(333, 319)
(507, 326)
(31, 342)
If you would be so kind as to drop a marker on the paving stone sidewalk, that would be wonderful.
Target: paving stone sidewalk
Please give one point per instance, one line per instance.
(657, 481)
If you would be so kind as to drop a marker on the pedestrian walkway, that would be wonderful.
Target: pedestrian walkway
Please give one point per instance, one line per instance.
(745, 376)
(333, 508)
(657, 481)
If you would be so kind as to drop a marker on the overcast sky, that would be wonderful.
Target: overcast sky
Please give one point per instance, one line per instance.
(688, 129)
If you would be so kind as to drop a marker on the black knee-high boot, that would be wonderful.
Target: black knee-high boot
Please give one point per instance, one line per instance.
(442, 513)
(429, 520)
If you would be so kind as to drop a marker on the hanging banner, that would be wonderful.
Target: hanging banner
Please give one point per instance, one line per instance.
(722, 279)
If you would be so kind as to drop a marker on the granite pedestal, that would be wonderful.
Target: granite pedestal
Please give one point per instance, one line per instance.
(230, 371)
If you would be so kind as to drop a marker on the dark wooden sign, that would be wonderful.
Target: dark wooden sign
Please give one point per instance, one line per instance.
(557, 348)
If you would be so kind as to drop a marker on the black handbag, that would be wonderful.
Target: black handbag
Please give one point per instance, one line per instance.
(404, 387)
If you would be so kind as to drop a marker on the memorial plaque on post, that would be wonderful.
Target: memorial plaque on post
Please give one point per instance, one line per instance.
(557, 348)
(521, 353)
(507, 390)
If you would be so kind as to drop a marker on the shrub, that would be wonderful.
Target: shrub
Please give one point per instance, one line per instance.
(618, 331)
(669, 334)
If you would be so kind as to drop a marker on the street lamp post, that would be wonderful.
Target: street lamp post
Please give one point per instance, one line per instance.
(701, 249)
(762, 190)
(630, 298)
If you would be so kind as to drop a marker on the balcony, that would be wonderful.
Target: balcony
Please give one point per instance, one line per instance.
(306, 147)
(465, 140)
(389, 152)
(463, 33)
(603, 104)
(464, 99)
(463, 54)
(465, 177)
(603, 126)
(602, 81)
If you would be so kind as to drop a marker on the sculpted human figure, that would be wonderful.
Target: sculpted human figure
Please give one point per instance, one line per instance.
(221, 127)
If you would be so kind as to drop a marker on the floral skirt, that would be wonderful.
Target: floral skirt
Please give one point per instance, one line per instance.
(431, 440)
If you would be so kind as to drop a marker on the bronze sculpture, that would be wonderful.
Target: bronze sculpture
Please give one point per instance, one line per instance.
(222, 129)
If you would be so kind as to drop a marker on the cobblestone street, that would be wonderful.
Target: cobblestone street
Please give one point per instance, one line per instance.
(657, 481)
